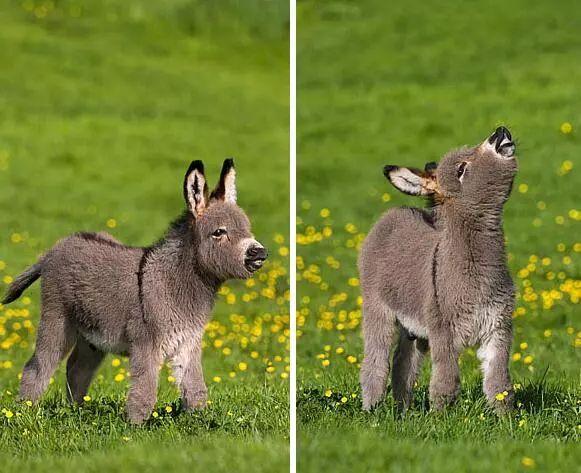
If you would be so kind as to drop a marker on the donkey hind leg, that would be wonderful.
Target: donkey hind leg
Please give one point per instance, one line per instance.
(379, 327)
(81, 367)
(407, 362)
(54, 340)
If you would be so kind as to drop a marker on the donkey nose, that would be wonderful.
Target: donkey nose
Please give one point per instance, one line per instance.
(255, 257)
(501, 139)
(256, 253)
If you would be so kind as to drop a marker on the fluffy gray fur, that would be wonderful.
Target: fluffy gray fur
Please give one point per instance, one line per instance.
(440, 276)
(100, 296)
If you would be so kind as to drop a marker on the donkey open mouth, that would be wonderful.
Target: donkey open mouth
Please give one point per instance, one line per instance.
(438, 279)
(501, 139)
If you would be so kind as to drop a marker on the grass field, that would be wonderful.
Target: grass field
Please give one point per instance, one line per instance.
(383, 83)
(104, 104)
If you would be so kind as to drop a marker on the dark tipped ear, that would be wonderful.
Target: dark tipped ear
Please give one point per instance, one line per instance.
(226, 188)
(196, 189)
(410, 180)
(431, 167)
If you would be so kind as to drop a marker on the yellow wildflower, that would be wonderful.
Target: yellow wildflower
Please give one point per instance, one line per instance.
(528, 462)
(566, 128)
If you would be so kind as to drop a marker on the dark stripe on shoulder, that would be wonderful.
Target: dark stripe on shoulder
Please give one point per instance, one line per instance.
(428, 217)
(142, 262)
(435, 275)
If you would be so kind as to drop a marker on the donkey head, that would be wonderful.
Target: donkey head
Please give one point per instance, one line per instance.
(225, 244)
(476, 178)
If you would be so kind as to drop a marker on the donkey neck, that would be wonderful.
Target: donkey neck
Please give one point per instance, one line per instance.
(176, 260)
(472, 242)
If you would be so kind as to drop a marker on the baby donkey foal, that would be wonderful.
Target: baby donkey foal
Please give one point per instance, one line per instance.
(100, 296)
(440, 274)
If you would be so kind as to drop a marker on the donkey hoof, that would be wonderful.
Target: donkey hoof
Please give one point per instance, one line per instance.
(196, 402)
(137, 416)
(372, 391)
(441, 401)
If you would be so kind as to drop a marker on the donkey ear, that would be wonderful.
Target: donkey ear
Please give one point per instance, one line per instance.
(196, 189)
(226, 188)
(430, 168)
(412, 181)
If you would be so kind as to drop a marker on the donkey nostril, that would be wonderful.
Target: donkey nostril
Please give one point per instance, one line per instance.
(503, 133)
(256, 252)
(255, 258)
(500, 134)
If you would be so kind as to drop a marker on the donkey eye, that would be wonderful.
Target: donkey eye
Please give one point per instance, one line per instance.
(220, 232)
(461, 169)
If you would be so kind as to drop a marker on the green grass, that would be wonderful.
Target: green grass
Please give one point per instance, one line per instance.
(218, 453)
(104, 104)
(402, 84)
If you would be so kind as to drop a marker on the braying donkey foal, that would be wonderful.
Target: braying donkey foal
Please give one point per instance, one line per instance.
(440, 275)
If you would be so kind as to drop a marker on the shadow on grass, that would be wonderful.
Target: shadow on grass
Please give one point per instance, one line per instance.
(111, 410)
(533, 397)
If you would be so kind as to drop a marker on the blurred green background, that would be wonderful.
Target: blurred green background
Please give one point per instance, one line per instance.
(103, 104)
(402, 83)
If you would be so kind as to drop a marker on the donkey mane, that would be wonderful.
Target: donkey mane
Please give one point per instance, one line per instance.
(98, 238)
(177, 229)
(181, 225)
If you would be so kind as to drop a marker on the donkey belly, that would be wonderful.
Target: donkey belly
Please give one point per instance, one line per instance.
(408, 302)
(102, 320)
(106, 342)
(396, 266)
(414, 324)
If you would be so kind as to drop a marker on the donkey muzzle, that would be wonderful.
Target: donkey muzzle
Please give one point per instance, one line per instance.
(502, 142)
(255, 257)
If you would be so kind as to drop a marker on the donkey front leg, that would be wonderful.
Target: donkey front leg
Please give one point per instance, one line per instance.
(497, 386)
(445, 380)
(379, 327)
(145, 362)
(189, 374)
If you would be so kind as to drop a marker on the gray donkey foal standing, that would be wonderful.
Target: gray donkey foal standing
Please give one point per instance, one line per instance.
(100, 296)
(440, 274)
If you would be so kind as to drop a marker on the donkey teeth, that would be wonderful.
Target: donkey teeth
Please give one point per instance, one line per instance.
(507, 150)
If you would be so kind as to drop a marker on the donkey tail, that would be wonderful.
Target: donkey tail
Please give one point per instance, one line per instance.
(22, 281)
